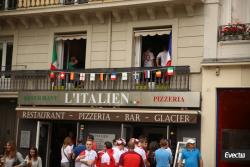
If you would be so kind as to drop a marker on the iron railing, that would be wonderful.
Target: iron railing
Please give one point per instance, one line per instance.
(122, 79)
(20, 4)
(234, 32)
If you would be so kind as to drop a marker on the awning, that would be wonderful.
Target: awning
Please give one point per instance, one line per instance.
(152, 32)
(109, 114)
(70, 37)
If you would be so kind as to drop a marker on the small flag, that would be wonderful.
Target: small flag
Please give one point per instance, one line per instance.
(53, 65)
(101, 76)
(147, 74)
(136, 76)
(82, 76)
(170, 71)
(72, 76)
(62, 75)
(92, 77)
(52, 75)
(158, 74)
(169, 53)
(113, 76)
(124, 76)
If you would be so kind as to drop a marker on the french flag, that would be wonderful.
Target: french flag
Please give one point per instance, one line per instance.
(113, 76)
(147, 74)
(169, 53)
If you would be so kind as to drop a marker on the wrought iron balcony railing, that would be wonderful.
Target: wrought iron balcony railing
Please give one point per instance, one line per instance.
(122, 79)
(234, 32)
(20, 4)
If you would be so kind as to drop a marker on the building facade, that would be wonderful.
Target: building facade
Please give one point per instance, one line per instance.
(102, 95)
(225, 86)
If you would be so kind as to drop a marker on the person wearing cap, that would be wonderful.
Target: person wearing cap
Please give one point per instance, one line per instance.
(162, 156)
(191, 155)
(119, 150)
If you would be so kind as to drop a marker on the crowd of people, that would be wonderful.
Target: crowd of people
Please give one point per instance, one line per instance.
(135, 153)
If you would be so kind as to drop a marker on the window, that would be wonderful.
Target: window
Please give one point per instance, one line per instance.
(151, 41)
(68, 46)
(6, 50)
(235, 11)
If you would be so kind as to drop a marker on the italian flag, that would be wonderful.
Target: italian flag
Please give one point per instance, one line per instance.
(53, 65)
(170, 71)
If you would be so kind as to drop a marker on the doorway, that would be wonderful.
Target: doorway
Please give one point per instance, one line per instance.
(60, 130)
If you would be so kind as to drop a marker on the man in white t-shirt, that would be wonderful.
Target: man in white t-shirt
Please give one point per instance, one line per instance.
(138, 149)
(119, 150)
(88, 156)
(163, 57)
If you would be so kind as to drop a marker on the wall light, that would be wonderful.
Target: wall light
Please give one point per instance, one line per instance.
(217, 71)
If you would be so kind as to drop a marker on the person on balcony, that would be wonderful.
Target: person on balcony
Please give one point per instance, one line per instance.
(148, 58)
(73, 63)
(161, 59)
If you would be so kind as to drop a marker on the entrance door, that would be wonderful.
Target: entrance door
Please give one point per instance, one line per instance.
(60, 130)
(43, 141)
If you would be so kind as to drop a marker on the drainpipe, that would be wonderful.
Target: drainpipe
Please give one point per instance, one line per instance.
(109, 40)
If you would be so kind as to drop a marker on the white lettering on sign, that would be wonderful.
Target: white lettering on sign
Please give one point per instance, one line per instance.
(229, 155)
(94, 116)
(181, 118)
(43, 115)
(96, 98)
(132, 117)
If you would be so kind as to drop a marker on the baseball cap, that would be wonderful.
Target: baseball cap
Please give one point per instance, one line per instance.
(190, 141)
(121, 141)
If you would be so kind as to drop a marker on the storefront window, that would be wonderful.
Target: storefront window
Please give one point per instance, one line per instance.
(235, 139)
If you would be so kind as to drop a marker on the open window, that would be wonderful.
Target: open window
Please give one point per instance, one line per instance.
(6, 51)
(68, 46)
(149, 39)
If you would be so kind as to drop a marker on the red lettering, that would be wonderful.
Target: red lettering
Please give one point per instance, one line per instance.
(168, 99)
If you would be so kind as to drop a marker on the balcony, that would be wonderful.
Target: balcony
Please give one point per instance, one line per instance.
(233, 32)
(117, 79)
(234, 43)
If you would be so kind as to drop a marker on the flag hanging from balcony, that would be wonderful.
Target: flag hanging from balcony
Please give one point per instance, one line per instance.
(53, 65)
(136, 76)
(52, 75)
(170, 71)
(92, 77)
(169, 53)
(62, 75)
(113, 76)
(124, 76)
(158, 74)
(101, 76)
(147, 74)
(72, 76)
(82, 76)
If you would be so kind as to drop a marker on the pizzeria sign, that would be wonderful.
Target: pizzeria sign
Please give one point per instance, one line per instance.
(114, 98)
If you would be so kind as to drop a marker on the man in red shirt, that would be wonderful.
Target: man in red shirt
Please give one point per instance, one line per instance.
(106, 156)
(131, 158)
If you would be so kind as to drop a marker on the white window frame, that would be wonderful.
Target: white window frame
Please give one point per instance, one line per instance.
(4, 43)
(138, 34)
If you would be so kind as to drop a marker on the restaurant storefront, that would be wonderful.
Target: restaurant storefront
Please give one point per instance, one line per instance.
(46, 118)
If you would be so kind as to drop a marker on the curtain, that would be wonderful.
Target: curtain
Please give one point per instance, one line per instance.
(137, 52)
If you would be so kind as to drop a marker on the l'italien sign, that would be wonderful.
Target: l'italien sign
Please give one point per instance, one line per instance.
(111, 116)
(107, 98)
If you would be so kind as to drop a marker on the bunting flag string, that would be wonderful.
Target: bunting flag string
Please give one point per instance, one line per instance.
(169, 71)
(92, 76)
